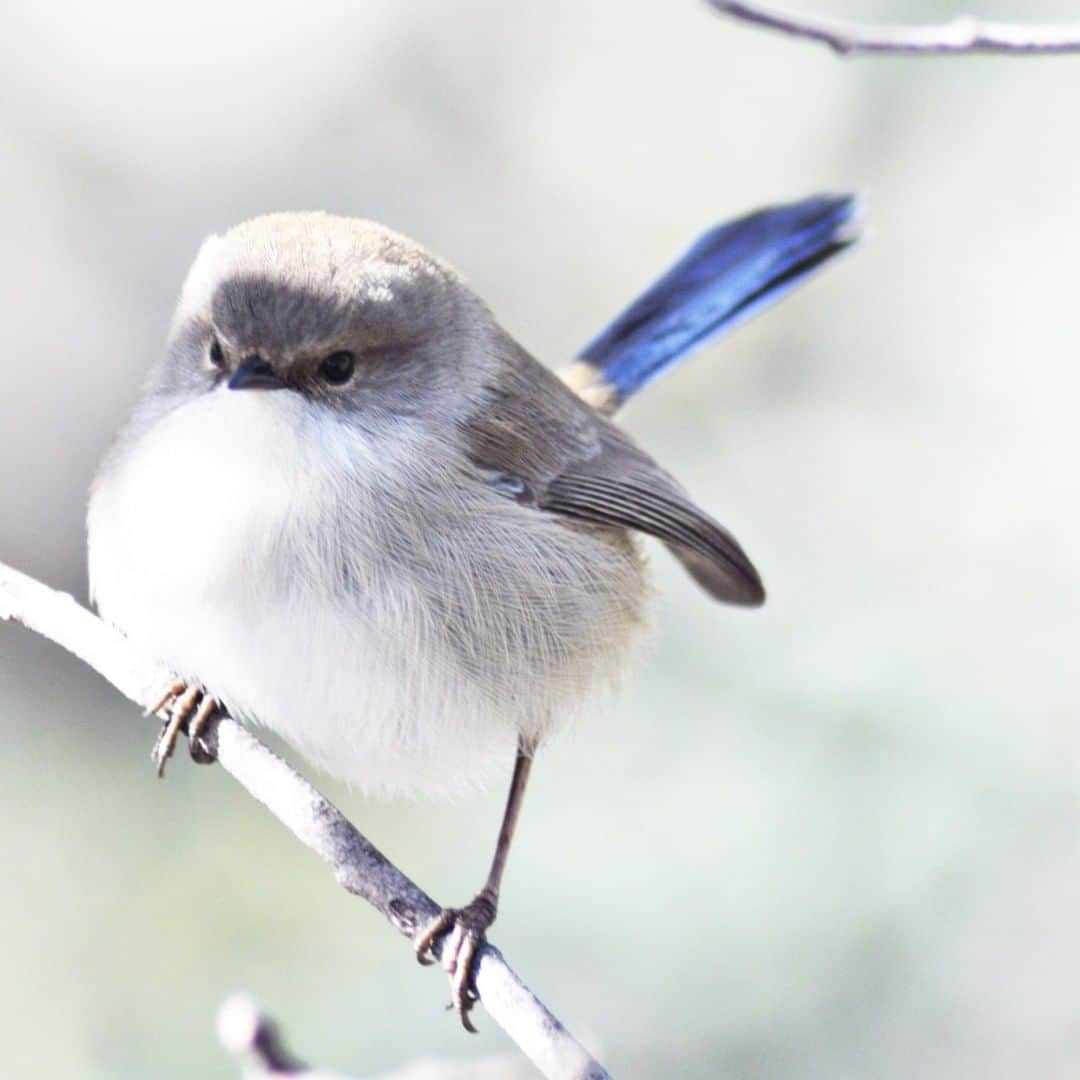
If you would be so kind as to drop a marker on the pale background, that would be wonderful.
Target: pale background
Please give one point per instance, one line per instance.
(836, 838)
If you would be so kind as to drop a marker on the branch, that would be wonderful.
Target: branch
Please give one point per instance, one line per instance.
(254, 1040)
(963, 34)
(356, 864)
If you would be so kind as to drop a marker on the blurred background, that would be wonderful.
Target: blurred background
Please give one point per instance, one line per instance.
(839, 837)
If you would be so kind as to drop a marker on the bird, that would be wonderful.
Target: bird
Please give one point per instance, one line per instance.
(351, 508)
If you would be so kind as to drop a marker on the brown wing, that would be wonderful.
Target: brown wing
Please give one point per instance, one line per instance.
(708, 551)
(577, 463)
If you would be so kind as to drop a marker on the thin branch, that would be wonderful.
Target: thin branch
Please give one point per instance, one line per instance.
(963, 34)
(254, 1040)
(356, 864)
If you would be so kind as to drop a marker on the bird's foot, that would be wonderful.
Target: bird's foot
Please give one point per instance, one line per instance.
(464, 929)
(187, 709)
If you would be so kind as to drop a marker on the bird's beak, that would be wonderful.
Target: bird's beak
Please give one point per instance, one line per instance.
(255, 374)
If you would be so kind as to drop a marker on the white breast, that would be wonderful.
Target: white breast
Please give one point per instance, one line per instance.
(274, 561)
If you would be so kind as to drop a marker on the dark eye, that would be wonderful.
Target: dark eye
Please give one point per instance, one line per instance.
(338, 368)
(216, 354)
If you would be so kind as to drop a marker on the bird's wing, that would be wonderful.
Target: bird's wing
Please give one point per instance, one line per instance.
(578, 464)
(634, 494)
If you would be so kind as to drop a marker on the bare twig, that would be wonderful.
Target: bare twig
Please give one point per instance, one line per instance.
(253, 1039)
(357, 865)
(963, 34)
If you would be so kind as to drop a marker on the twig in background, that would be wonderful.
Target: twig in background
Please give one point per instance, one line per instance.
(252, 1037)
(963, 34)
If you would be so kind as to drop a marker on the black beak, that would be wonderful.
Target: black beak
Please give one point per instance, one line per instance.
(255, 374)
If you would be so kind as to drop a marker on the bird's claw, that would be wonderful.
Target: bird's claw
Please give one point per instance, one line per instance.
(464, 930)
(186, 709)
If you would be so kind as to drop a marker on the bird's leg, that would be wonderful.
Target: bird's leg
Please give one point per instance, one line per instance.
(466, 926)
(199, 747)
(186, 709)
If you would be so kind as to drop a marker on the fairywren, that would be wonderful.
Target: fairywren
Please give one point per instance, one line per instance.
(352, 508)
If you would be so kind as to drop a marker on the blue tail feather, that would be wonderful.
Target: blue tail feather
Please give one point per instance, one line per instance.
(730, 274)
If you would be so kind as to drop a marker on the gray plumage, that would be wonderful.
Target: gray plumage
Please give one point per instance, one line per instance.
(403, 573)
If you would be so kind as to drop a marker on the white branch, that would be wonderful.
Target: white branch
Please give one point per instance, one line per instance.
(357, 865)
(963, 34)
(253, 1039)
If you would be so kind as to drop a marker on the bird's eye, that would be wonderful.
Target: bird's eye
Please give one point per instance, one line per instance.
(338, 368)
(216, 354)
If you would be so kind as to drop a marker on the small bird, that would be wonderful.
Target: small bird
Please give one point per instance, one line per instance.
(350, 507)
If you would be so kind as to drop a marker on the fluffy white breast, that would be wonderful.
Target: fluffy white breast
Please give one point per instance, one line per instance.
(301, 572)
(206, 548)
(286, 566)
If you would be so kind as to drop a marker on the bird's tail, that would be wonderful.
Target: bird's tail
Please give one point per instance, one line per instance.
(730, 274)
